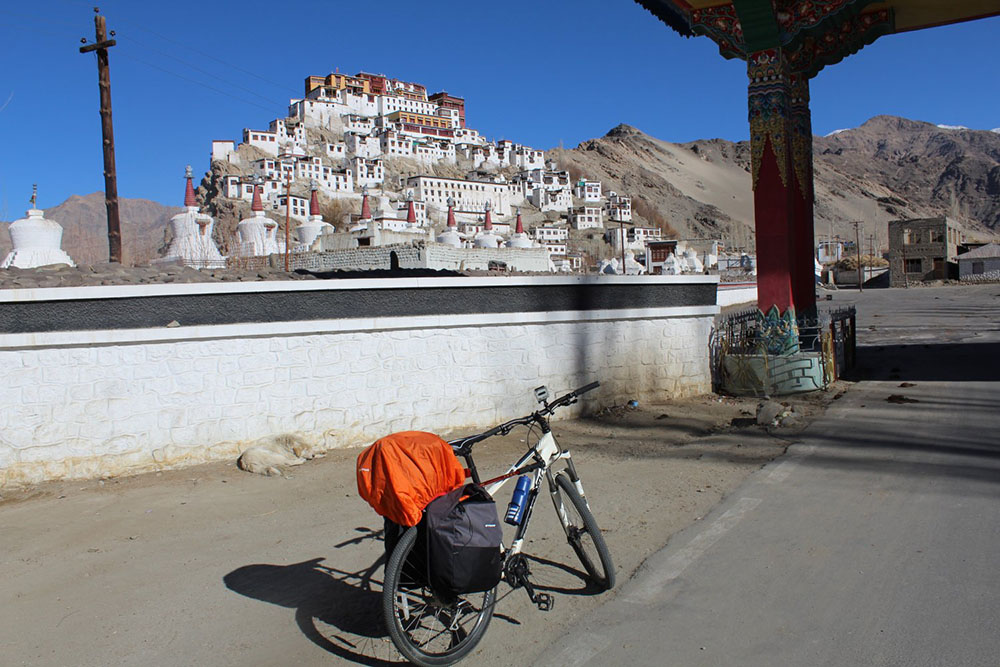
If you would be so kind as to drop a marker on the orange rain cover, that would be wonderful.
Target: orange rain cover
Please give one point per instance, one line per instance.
(400, 473)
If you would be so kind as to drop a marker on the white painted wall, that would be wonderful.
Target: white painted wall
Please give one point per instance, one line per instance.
(85, 404)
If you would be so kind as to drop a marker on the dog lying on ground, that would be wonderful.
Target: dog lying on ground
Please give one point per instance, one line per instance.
(264, 456)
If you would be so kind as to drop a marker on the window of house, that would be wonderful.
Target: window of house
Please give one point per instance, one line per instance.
(977, 267)
(937, 236)
(913, 265)
(907, 237)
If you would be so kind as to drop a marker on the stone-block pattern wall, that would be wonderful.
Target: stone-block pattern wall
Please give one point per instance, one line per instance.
(410, 256)
(112, 409)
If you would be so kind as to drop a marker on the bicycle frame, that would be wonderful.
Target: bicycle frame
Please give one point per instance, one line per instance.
(544, 454)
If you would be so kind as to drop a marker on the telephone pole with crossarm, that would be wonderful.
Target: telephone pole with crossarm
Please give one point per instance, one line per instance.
(101, 45)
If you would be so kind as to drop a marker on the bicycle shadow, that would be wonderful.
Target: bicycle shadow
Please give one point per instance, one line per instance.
(556, 577)
(342, 600)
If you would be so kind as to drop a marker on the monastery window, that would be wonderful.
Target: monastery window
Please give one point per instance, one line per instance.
(913, 265)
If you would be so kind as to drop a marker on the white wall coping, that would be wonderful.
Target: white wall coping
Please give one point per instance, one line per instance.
(184, 289)
(318, 327)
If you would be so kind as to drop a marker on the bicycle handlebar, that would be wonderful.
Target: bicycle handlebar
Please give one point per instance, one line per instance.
(464, 445)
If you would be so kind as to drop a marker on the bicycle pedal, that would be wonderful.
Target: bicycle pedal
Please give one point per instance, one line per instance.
(545, 601)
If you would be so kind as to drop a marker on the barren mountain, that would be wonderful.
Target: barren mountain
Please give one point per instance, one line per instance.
(889, 168)
(85, 228)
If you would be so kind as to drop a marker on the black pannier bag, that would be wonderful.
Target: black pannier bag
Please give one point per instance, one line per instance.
(463, 542)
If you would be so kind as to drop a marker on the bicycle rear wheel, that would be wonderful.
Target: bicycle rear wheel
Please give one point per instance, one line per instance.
(584, 535)
(427, 630)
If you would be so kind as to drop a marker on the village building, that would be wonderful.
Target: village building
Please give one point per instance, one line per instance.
(587, 216)
(363, 145)
(265, 141)
(922, 249)
(299, 205)
(367, 172)
(445, 101)
(619, 207)
(468, 195)
(588, 190)
(223, 150)
(981, 264)
(829, 251)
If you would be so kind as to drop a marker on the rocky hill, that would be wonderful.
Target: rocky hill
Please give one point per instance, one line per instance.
(886, 169)
(889, 168)
(85, 228)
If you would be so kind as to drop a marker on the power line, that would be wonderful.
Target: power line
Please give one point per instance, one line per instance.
(196, 82)
(197, 68)
(283, 86)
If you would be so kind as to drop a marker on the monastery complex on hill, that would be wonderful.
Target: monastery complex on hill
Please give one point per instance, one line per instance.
(408, 183)
(340, 142)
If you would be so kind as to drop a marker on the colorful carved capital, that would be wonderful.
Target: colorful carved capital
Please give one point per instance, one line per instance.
(768, 99)
(800, 129)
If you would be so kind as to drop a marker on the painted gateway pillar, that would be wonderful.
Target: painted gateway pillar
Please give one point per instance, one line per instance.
(781, 169)
(785, 43)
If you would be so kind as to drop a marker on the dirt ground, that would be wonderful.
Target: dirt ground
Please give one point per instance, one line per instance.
(212, 565)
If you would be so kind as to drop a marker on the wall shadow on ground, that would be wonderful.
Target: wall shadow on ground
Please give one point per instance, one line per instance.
(345, 600)
(950, 362)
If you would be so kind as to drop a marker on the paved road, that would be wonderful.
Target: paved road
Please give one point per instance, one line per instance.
(875, 541)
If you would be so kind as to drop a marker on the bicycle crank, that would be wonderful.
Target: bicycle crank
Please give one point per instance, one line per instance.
(515, 573)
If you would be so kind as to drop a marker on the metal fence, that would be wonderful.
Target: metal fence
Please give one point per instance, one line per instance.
(741, 335)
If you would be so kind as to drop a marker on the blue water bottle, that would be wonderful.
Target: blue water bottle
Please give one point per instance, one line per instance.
(515, 510)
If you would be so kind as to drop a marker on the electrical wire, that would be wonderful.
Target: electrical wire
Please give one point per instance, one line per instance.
(282, 86)
(194, 81)
(193, 66)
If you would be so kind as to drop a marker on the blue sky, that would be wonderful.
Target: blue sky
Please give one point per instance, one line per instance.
(540, 73)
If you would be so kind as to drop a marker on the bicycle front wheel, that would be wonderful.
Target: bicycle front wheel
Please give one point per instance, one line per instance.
(426, 629)
(584, 535)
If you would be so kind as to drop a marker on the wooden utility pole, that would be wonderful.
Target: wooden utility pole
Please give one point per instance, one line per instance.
(857, 244)
(288, 213)
(101, 45)
(871, 253)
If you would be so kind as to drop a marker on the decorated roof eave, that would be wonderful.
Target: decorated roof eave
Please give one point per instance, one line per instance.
(741, 27)
(671, 14)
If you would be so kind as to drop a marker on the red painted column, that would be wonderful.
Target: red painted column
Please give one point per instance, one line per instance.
(774, 204)
(803, 246)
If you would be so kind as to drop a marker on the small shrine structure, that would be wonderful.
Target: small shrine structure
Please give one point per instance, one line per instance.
(36, 240)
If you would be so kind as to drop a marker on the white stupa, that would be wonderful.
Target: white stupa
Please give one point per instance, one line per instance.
(258, 234)
(36, 240)
(486, 238)
(310, 230)
(672, 266)
(450, 235)
(193, 244)
(519, 239)
(691, 262)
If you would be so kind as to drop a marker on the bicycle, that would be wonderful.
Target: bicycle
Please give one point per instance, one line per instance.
(429, 630)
